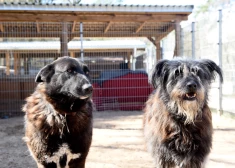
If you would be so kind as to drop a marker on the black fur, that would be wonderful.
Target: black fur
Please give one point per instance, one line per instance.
(177, 120)
(58, 119)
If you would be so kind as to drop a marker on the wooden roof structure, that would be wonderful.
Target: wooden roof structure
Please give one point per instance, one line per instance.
(62, 20)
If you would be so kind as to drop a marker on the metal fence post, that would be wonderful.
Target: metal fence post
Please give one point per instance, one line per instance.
(134, 59)
(193, 40)
(220, 61)
(81, 38)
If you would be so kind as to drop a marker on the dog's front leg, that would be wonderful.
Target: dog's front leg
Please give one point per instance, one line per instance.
(40, 165)
(192, 164)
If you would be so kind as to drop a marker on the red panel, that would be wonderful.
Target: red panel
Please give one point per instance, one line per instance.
(131, 91)
(96, 96)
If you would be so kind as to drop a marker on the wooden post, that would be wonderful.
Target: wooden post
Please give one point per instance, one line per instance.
(7, 63)
(26, 65)
(158, 50)
(129, 59)
(16, 63)
(177, 38)
(64, 40)
(72, 54)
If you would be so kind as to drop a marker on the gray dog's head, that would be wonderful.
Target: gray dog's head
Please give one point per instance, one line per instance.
(184, 84)
(66, 77)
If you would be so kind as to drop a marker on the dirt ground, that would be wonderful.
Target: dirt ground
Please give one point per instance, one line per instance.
(117, 143)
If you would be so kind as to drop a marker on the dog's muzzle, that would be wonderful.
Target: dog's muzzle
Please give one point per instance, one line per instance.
(191, 91)
(87, 90)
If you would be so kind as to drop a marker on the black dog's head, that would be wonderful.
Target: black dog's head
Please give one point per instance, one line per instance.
(183, 84)
(66, 78)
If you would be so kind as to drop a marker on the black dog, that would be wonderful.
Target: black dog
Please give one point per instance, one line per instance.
(58, 119)
(177, 120)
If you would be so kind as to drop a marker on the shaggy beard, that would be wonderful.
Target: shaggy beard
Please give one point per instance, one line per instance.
(190, 109)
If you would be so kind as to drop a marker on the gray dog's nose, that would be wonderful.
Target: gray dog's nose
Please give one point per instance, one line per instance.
(87, 89)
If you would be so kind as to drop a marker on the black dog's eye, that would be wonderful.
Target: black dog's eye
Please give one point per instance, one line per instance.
(71, 71)
(86, 70)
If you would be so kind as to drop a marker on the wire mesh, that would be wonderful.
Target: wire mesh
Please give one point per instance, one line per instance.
(119, 55)
(207, 47)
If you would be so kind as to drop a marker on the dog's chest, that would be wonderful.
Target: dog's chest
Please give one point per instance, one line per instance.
(62, 156)
(184, 141)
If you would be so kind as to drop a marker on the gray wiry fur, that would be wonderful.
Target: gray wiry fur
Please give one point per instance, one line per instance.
(177, 119)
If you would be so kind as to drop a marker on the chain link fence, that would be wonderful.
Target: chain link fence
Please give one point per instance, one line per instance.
(213, 38)
(119, 60)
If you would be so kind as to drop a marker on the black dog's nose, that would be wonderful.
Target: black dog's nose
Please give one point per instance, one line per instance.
(87, 88)
(191, 86)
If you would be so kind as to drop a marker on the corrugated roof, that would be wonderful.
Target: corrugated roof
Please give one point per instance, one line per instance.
(95, 7)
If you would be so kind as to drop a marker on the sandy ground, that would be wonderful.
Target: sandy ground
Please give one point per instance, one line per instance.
(117, 143)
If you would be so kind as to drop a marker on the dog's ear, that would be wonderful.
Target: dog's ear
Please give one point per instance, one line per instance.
(158, 75)
(212, 68)
(45, 74)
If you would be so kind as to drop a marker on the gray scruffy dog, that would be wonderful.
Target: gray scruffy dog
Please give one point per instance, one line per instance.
(177, 120)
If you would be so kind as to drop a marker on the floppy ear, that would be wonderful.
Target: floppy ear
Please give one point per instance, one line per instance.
(158, 75)
(213, 68)
(45, 74)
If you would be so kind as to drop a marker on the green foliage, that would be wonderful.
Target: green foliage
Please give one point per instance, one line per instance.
(210, 4)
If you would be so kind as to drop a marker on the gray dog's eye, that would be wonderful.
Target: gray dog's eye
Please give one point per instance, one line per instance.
(178, 72)
(194, 70)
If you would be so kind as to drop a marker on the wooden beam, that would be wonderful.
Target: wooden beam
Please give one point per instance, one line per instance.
(129, 59)
(139, 28)
(91, 34)
(7, 63)
(90, 18)
(164, 33)
(158, 50)
(1, 28)
(26, 65)
(16, 63)
(72, 54)
(64, 39)
(107, 27)
(152, 40)
(74, 26)
(38, 27)
(177, 39)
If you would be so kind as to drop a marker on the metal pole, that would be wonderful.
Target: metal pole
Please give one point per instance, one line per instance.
(220, 61)
(193, 40)
(81, 38)
(134, 59)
